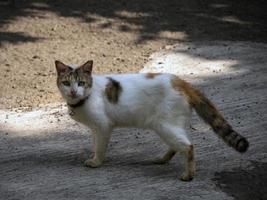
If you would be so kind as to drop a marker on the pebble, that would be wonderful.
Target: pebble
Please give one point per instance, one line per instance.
(35, 57)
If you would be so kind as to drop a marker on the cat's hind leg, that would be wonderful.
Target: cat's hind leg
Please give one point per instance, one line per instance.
(178, 140)
(189, 172)
(166, 158)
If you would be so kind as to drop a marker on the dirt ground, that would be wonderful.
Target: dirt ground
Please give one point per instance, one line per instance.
(118, 35)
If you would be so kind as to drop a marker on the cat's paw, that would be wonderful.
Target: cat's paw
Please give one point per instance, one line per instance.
(187, 177)
(92, 163)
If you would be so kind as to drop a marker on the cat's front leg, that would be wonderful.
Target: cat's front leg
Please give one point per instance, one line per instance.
(101, 140)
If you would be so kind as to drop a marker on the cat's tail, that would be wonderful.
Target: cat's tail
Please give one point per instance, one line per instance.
(209, 113)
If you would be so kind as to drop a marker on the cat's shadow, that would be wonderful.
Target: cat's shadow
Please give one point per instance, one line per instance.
(135, 162)
(143, 164)
(244, 184)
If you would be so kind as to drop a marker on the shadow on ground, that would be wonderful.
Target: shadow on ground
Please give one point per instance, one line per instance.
(16, 37)
(244, 184)
(150, 19)
(7, 14)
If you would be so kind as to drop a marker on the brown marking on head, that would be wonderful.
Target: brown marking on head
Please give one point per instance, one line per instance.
(152, 75)
(113, 90)
(83, 77)
(81, 74)
(210, 114)
(87, 67)
(84, 73)
(61, 67)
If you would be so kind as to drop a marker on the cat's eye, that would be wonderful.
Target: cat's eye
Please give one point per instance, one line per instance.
(81, 83)
(66, 83)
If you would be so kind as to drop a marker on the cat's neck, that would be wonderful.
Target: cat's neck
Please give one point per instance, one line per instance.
(79, 103)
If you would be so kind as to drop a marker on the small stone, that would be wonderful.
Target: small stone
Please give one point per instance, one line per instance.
(35, 57)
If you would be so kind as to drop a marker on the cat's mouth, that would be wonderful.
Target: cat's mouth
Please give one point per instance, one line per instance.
(73, 96)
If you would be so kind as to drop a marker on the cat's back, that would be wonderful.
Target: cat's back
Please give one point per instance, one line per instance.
(138, 80)
(132, 99)
(136, 89)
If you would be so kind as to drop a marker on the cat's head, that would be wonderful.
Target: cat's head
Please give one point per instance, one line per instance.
(74, 83)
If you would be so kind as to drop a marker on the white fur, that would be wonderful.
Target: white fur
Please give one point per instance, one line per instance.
(144, 103)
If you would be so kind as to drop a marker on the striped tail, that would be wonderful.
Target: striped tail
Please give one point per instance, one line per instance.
(209, 113)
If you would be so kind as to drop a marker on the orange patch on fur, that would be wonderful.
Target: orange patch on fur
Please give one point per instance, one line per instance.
(209, 113)
(113, 90)
(191, 162)
(188, 91)
(191, 153)
(203, 106)
(152, 75)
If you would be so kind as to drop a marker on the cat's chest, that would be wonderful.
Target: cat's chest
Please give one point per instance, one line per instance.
(79, 114)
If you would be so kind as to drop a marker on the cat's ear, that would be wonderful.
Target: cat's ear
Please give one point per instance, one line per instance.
(87, 67)
(61, 67)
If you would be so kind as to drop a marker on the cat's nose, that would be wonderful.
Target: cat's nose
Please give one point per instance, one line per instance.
(73, 93)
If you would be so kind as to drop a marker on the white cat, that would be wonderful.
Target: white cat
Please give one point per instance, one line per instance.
(160, 102)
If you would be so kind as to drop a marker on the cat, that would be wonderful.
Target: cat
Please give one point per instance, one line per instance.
(158, 101)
